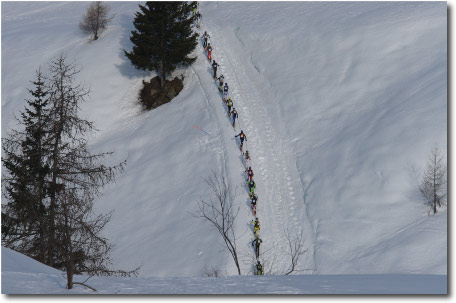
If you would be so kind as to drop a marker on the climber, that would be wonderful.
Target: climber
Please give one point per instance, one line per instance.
(252, 186)
(256, 227)
(256, 243)
(205, 37)
(234, 116)
(249, 173)
(225, 92)
(220, 79)
(195, 8)
(241, 136)
(214, 68)
(229, 103)
(209, 52)
(254, 202)
(247, 156)
(259, 269)
(198, 19)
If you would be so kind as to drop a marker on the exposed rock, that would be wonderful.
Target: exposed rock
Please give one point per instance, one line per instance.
(152, 95)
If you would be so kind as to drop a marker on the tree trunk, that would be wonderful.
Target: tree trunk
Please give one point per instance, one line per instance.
(53, 203)
(42, 219)
(434, 184)
(69, 278)
(97, 16)
(51, 222)
(238, 267)
(42, 253)
(162, 76)
(68, 251)
(162, 59)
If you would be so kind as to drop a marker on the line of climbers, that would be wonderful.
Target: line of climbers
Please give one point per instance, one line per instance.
(233, 115)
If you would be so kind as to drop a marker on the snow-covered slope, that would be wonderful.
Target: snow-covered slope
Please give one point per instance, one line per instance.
(167, 157)
(22, 275)
(356, 93)
(341, 104)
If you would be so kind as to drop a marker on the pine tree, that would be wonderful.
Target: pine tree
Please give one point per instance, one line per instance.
(23, 217)
(163, 37)
(52, 180)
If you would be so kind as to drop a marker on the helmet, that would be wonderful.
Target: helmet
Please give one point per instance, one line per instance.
(205, 32)
(259, 263)
(250, 167)
(213, 61)
(242, 132)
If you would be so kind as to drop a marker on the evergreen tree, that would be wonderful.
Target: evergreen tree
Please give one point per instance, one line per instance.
(53, 180)
(163, 37)
(24, 158)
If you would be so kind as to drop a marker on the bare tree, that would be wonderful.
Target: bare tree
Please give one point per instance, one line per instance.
(96, 19)
(53, 179)
(75, 243)
(83, 249)
(434, 183)
(221, 212)
(295, 250)
(212, 271)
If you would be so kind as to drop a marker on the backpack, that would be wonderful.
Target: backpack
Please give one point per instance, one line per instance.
(260, 269)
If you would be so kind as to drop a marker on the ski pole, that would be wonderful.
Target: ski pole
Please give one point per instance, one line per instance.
(201, 130)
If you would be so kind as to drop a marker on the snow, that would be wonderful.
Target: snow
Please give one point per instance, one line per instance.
(351, 102)
(37, 278)
(341, 104)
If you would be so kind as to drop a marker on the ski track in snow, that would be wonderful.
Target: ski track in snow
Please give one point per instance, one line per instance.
(229, 156)
(277, 204)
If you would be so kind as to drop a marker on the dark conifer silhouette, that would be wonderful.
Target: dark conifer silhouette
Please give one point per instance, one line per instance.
(25, 182)
(163, 38)
(53, 179)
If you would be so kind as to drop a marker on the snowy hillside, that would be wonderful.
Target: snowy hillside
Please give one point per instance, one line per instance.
(22, 275)
(341, 104)
(356, 94)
